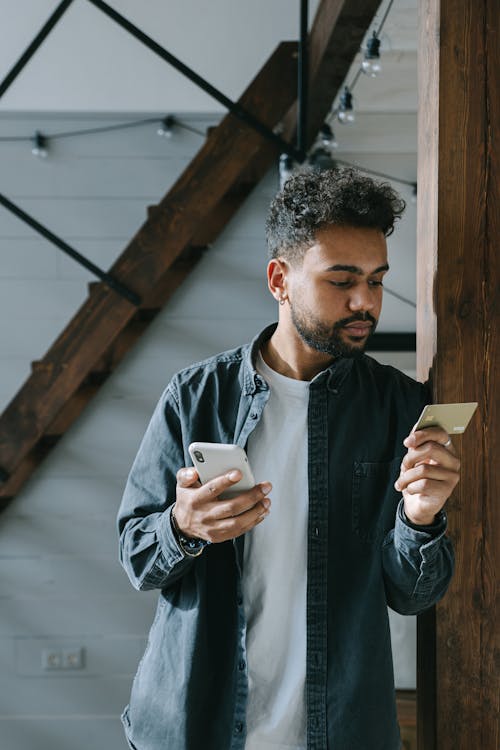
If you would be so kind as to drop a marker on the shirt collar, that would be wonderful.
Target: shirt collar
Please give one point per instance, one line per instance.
(334, 375)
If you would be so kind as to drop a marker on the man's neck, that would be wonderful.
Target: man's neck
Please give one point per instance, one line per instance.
(290, 356)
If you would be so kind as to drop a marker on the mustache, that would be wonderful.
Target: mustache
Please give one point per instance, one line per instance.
(364, 317)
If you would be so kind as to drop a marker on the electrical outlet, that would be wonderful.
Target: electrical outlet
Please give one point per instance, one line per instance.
(62, 659)
(51, 659)
(73, 658)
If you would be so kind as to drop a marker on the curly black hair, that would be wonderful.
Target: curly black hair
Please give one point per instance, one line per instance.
(310, 201)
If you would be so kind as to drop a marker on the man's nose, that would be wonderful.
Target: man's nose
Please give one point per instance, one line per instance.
(362, 298)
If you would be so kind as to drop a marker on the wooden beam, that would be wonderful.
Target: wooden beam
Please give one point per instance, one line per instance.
(458, 343)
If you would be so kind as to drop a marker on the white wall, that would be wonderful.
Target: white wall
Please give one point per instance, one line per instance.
(60, 583)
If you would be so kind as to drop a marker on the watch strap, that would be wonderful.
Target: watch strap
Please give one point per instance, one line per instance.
(190, 546)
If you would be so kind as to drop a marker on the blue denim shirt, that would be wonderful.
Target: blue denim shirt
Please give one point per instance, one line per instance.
(191, 687)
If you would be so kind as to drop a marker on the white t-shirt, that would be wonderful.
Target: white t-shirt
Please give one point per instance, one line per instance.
(275, 571)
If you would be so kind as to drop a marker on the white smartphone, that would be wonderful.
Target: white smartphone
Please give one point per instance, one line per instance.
(215, 459)
(453, 418)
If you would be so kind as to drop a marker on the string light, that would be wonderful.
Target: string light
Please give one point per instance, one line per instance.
(167, 126)
(371, 65)
(320, 156)
(321, 159)
(346, 113)
(327, 136)
(40, 148)
(40, 142)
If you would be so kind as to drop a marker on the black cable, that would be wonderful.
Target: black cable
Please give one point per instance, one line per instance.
(400, 297)
(384, 18)
(102, 129)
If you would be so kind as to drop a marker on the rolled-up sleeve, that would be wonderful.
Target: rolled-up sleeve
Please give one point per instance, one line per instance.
(148, 550)
(418, 565)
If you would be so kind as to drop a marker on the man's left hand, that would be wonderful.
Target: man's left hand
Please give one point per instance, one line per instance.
(429, 473)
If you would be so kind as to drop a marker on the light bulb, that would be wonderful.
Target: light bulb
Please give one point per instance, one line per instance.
(166, 127)
(39, 148)
(372, 68)
(346, 116)
(327, 136)
(371, 65)
(346, 110)
(321, 159)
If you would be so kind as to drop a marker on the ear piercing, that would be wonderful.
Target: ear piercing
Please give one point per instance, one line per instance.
(282, 300)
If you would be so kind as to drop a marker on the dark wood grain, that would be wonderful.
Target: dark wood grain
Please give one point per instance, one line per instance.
(458, 341)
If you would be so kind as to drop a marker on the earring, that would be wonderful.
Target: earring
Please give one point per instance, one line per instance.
(282, 300)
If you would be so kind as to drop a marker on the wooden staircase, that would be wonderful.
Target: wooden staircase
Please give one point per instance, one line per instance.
(169, 244)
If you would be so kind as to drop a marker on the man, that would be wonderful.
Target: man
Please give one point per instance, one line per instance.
(271, 630)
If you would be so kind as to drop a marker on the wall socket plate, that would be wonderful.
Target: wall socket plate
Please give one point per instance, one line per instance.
(59, 659)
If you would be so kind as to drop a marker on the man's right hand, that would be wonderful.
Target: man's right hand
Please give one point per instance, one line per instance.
(201, 514)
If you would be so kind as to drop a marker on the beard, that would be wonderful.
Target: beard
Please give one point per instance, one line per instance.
(327, 338)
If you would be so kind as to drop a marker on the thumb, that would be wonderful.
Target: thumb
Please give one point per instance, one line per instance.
(186, 477)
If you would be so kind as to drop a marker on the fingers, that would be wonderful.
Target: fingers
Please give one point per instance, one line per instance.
(427, 479)
(215, 487)
(228, 519)
(200, 513)
(240, 504)
(431, 434)
(233, 527)
(430, 452)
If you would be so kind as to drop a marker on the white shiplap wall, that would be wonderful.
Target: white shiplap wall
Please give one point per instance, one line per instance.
(60, 582)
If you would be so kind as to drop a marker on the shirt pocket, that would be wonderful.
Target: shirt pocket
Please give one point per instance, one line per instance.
(374, 499)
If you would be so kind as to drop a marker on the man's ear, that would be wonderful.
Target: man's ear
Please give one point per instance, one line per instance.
(277, 273)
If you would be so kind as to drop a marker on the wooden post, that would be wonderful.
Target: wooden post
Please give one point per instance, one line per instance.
(458, 343)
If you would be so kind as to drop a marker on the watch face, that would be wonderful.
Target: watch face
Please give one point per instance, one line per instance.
(192, 547)
(189, 546)
(192, 544)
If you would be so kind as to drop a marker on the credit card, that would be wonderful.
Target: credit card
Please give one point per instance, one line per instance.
(453, 418)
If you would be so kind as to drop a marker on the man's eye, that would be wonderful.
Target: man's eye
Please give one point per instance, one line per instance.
(340, 283)
(376, 283)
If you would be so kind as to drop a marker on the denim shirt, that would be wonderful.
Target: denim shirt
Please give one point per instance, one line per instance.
(190, 690)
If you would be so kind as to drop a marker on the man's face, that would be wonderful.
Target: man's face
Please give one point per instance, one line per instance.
(335, 294)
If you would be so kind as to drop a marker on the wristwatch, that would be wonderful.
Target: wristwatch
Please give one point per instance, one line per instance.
(191, 546)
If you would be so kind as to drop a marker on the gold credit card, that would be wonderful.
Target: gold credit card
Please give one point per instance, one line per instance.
(453, 418)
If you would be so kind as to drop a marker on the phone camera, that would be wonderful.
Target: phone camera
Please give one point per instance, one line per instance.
(199, 457)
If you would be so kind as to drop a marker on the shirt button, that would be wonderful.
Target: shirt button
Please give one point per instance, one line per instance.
(238, 727)
(241, 665)
(254, 415)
